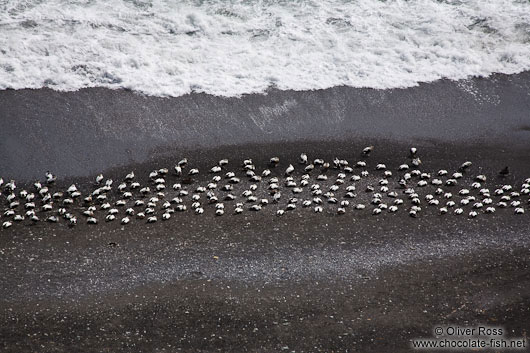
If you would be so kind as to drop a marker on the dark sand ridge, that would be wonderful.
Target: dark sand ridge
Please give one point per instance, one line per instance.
(301, 282)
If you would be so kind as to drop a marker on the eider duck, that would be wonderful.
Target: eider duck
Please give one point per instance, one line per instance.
(368, 150)
(50, 178)
(466, 165)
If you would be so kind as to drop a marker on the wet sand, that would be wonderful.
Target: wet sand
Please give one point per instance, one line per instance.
(86, 132)
(260, 283)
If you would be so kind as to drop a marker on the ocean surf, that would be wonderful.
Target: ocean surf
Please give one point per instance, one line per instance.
(231, 48)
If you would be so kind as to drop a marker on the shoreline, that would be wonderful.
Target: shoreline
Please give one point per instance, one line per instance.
(257, 282)
(78, 134)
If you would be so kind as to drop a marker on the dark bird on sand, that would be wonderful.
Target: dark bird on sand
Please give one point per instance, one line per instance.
(465, 166)
(368, 150)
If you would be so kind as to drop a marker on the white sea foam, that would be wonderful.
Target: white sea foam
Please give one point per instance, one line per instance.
(222, 47)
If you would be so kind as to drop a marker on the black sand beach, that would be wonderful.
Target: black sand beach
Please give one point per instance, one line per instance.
(86, 132)
(302, 282)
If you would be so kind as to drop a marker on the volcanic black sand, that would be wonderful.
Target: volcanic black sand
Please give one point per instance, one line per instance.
(89, 131)
(257, 282)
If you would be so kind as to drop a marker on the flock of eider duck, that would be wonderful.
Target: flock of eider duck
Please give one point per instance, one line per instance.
(336, 186)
